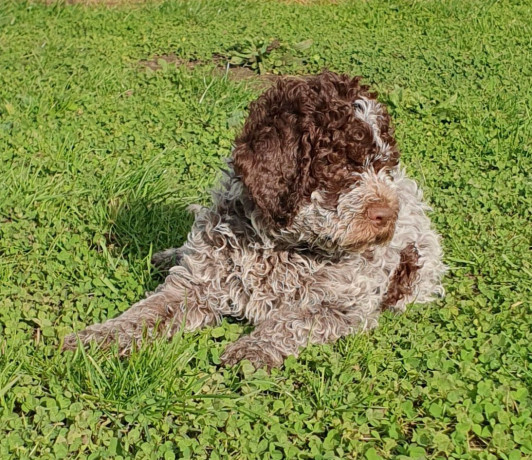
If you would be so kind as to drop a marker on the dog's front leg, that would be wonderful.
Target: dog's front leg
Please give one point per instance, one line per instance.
(417, 278)
(403, 279)
(175, 304)
(286, 331)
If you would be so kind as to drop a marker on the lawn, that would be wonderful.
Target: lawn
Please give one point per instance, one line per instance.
(114, 118)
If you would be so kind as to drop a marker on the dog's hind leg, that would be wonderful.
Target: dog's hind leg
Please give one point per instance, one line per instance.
(174, 305)
(167, 259)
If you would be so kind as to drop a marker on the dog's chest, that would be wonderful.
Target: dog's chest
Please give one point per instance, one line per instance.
(265, 280)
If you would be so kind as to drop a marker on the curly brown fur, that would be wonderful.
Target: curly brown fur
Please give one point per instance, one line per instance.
(303, 135)
(313, 231)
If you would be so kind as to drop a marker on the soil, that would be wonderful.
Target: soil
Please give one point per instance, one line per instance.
(234, 73)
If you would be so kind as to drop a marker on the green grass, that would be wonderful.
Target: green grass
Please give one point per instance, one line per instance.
(100, 156)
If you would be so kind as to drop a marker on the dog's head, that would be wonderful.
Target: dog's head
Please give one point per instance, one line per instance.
(316, 157)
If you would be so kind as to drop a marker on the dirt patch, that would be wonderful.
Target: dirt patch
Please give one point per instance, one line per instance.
(249, 77)
(257, 62)
(156, 62)
(238, 74)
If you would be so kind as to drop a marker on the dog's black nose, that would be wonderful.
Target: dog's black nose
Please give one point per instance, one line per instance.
(380, 214)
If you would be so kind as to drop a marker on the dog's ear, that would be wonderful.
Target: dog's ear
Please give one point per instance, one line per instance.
(303, 134)
(272, 155)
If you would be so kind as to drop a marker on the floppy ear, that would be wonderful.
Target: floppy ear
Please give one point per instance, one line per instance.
(272, 155)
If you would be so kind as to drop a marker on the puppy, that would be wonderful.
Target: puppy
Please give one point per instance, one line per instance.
(314, 231)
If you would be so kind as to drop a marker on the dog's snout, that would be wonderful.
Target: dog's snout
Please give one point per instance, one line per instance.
(380, 214)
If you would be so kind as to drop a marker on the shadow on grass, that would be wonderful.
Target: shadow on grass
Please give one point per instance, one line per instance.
(141, 226)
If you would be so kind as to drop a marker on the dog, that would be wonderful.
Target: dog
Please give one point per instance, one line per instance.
(314, 231)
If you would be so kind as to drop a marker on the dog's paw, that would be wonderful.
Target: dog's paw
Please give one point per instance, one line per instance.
(70, 342)
(256, 353)
(167, 259)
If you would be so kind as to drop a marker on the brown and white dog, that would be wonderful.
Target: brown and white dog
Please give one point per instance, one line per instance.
(314, 231)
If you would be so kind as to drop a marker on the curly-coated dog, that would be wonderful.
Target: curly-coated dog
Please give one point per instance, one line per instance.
(314, 231)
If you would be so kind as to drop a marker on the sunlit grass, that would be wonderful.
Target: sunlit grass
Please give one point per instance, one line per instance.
(101, 156)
